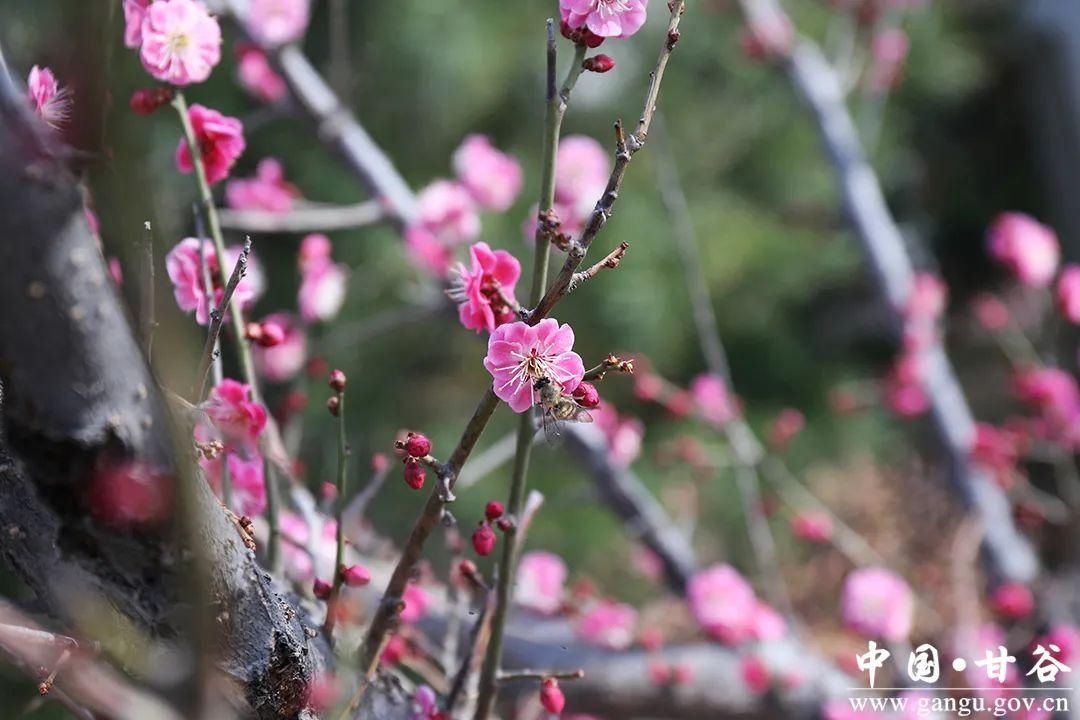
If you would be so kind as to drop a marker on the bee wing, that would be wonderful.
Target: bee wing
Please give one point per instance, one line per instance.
(551, 428)
(581, 415)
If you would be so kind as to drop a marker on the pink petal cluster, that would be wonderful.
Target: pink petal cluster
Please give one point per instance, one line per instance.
(878, 603)
(990, 312)
(257, 76)
(267, 190)
(322, 281)
(540, 582)
(624, 434)
(417, 602)
(582, 167)
(125, 493)
(484, 292)
(180, 43)
(491, 177)
(275, 22)
(996, 450)
(299, 565)
(1012, 600)
(889, 50)
(605, 18)
(785, 427)
(1026, 247)
(134, 13)
(922, 314)
(221, 142)
(1068, 293)
(184, 267)
(725, 606)
(1054, 394)
(812, 526)
(239, 419)
(283, 361)
(519, 354)
(447, 218)
(712, 399)
(51, 102)
(246, 478)
(768, 37)
(607, 624)
(903, 388)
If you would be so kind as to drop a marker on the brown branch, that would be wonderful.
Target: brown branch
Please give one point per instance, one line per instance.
(608, 263)
(305, 218)
(147, 320)
(519, 675)
(217, 317)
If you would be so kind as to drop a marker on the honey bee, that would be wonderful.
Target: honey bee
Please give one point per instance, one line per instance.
(557, 407)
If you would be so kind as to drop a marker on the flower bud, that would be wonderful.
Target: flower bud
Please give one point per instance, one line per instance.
(505, 524)
(551, 696)
(414, 473)
(483, 540)
(599, 63)
(355, 576)
(272, 334)
(147, 100)
(333, 404)
(580, 36)
(587, 395)
(467, 568)
(493, 510)
(337, 381)
(321, 589)
(417, 445)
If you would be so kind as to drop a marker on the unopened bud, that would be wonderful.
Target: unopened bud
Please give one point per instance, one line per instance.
(337, 381)
(333, 404)
(599, 63)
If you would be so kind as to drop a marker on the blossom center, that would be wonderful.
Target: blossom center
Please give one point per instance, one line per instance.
(178, 43)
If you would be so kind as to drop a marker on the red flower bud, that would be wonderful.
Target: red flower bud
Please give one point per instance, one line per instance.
(467, 568)
(272, 334)
(329, 491)
(505, 524)
(493, 510)
(483, 540)
(146, 100)
(253, 331)
(414, 474)
(599, 63)
(417, 445)
(337, 381)
(587, 395)
(355, 575)
(321, 589)
(580, 36)
(551, 696)
(333, 404)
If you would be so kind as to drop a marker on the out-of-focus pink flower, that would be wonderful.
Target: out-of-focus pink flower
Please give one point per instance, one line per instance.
(995, 450)
(485, 292)
(924, 309)
(416, 603)
(624, 434)
(647, 563)
(257, 76)
(541, 578)
(51, 102)
(425, 703)
(134, 12)
(904, 392)
(282, 361)
(491, 177)
(570, 218)
(246, 476)
(274, 22)
(426, 252)
(991, 313)
(1052, 391)
(181, 42)
(723, 603)
(323, 282)
(220, 138)
(1066, 637)
(787, 425)
(1012, 600)
(298, 565)
(712, 399)
(812, 526)
(754, 674)
(520, 354)
(267, 190)
(116, 271)
(889, 49)
(605, 18)
(607, 624)
(184, 266)
(1068, 293)
(767, 38)
(842, 710)
(582, 166)
(129, 492)
(878, 603)
(315, 250)
(766, 623)
(238, 418)
(448, 211)
(1026, 247)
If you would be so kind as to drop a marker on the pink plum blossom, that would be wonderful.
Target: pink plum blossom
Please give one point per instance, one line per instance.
(903, 388)
(723, 603)
(322, 282)
(491, 177)
(876, 602)
(766, 623)
(234, 414)
(607, 624)
(1012, 600)
(51, 102)
(755, 674)
(812, 526)
(1052, 391)
(274, 22)
(889, 49)
(485, 292)
(540, 582)
(570, 221)
(184, 267)
(624, 434)
(246, 477)
(448, 211)
(416, 601)
(1068, 293)
(990, 312)
(768, 37)
(134, 13)
(712, 399)
(181, 42)
(519, 354)
(1026, 247)
(605, 18)
(221, 142)
(426, 252)
(925, 306)
(582, 166)
(267, 190)
(315, 250)
(257, 76)
(124, 493)
(282, 361)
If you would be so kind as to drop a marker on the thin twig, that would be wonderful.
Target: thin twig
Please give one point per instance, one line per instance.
(305, 218)
(146, 314)
(608, 263)
(217, 317)
(519, 675)
(339, 557)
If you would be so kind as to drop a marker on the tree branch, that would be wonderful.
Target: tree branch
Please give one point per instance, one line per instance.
(305, 218)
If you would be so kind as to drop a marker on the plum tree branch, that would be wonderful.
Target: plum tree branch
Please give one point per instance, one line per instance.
(304, 218)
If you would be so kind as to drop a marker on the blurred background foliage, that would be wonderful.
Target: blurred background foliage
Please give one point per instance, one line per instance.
(795, 308)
